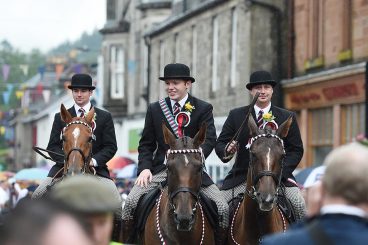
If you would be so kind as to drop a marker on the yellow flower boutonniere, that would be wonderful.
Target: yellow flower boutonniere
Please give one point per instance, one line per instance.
(268, 117)
(189, 107)
(94, 117)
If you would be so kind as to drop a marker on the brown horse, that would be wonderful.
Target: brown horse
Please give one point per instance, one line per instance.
(77, 139)
(258, 213)
(177, 217)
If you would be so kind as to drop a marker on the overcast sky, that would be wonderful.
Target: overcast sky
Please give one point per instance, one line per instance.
(44, 24)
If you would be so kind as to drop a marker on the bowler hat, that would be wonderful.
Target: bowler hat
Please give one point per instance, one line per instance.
(81, 81)
(177, 71)
(86, 194)
(260, 77)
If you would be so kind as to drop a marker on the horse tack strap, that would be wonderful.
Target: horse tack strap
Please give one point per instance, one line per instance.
(169, 116)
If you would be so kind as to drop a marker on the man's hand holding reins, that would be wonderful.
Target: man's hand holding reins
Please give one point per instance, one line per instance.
(232, 147)
(144, 178)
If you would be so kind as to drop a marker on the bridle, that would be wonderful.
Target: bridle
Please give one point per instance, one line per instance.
(195, 194)
(253, 192)
(86, 159)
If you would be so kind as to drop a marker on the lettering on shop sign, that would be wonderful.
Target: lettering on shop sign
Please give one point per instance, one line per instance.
(342, 91)
(329, 94)
(304, 98)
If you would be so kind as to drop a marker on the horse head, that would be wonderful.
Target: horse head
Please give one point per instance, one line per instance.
(185, 162)
(266, 149)
(77, 138)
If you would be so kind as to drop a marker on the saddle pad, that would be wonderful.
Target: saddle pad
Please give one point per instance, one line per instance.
(144, 207)
(284, 204)
(209, 209)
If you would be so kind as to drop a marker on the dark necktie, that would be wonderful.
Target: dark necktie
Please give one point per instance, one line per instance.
(260, 118)
(176, 109)
(81, 111)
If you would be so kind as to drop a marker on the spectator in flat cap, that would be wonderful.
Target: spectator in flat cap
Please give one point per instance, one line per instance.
(44, 222)
(90, 197)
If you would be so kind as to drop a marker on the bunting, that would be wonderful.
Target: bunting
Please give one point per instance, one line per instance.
(46, 95)
(24, 69)
(59, 68)
(19, 94)
(6, 97)
(6, 71)
(41, 70)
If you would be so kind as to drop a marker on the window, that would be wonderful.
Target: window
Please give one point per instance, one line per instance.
(315, 30)
(177, 47)
(215, 47)
(117, 72)
(346, 24)
(234, 37)
(194, 54)
(321, 128)
(110, 9)
(162, 66)
(353, 121)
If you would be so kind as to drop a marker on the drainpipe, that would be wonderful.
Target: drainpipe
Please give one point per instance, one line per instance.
(291, 40)
(278, 13)
(148, 44)
(366, 99)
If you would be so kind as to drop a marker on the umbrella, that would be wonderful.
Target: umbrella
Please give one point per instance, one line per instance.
(307, 177)
(31, 174)
(6, 175)
(303, 174)
(119, 162)
(127, 172)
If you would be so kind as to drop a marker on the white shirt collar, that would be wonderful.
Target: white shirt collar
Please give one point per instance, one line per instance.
(181, 102)
(85, 108)
(265, 110)
(343, 209)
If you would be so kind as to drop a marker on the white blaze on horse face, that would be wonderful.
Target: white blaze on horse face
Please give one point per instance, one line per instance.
(76, 133)
(268, 159)
(186, 160)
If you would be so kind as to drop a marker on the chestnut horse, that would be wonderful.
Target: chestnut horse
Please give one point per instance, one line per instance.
(178, 217)
(258, 214)
(77, 139)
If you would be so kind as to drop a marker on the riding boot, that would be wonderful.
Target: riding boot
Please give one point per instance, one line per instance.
(128, 234)
(221, 236)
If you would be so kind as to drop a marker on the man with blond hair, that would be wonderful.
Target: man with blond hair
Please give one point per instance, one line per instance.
(343, 217)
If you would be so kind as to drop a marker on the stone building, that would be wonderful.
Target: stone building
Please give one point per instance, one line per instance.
(124, 65)
(222, 42)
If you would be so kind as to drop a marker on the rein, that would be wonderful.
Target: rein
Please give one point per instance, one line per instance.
(158, 221)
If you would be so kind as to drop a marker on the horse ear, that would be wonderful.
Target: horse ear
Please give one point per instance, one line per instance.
(90, 115)
(253, 128)
(168, 136)
(200, 136)
(283, 130)
(65, 115)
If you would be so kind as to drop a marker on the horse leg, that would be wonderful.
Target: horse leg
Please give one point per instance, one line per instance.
(117, 228)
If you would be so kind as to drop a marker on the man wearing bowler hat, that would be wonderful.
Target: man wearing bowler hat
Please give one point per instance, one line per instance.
(235, 182)
(152, 148)
(103, 148)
